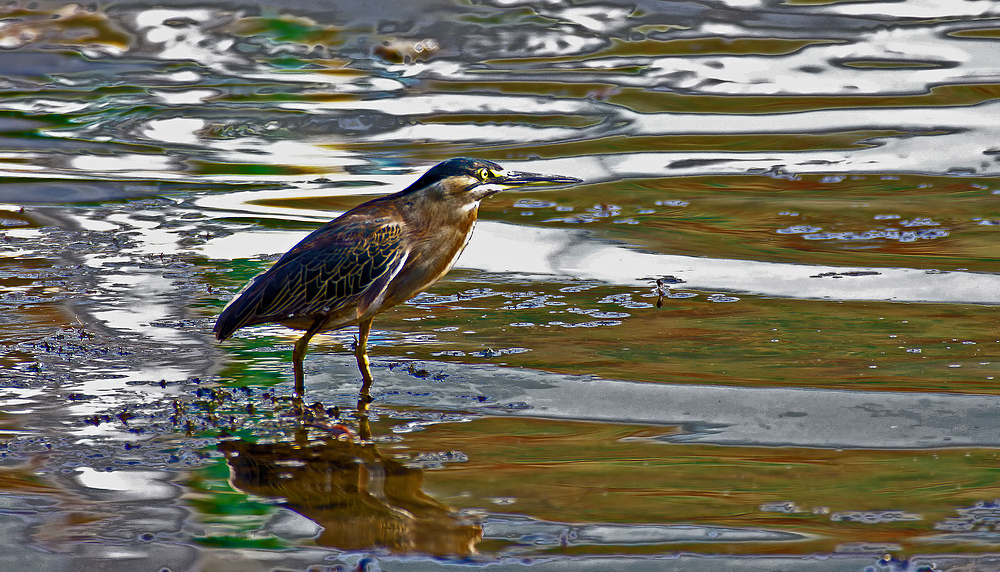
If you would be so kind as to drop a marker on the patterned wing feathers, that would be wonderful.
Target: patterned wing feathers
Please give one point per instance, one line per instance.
(328, 271)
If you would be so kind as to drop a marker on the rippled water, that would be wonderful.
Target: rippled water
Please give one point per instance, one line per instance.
(811, 386)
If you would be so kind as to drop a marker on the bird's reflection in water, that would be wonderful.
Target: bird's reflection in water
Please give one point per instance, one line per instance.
(362, 499)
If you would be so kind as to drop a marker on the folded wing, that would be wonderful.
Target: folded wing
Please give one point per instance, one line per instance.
(340, 265)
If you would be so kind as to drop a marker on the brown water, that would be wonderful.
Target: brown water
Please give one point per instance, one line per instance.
(814, 185)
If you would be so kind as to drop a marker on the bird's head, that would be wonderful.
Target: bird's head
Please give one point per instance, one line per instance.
(468, 181)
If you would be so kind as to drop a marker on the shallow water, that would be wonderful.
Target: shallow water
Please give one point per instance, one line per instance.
(811, 387)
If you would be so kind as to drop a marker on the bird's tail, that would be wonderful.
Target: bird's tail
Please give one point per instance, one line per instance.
(226, 324)
(239, 311)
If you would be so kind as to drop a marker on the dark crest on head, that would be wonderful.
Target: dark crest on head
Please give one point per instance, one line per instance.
(451, 168)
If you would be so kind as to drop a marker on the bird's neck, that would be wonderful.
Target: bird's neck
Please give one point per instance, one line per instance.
(429, 216)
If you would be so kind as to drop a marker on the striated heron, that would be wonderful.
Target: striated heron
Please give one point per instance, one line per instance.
(373, 257)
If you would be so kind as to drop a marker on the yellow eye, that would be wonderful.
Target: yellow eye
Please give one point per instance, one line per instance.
(483, 174)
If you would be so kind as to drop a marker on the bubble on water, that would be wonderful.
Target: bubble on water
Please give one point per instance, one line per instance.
(722, 298)
(580, 288)
(681, 295)
(605, 210)
(887, 234)
(880, 547)
(983, 515)
(914, 350)
(874, 516)
(598, 313)
(591, 324)
(832, 179)
(886, 216)
(533, 204)
(787, 507)
(788, 213)
(798, 229)
(623, 300)
(432, 299)
(919, 222)
(491, 352)
(671, 203)
(576, 219)
(534, 301)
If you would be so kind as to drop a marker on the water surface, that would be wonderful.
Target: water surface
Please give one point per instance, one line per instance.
(811, 385)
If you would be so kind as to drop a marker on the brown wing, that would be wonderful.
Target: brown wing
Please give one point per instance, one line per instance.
(338, 265)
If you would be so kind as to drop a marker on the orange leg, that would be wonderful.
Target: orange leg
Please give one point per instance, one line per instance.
(299, 354)
(361, 353)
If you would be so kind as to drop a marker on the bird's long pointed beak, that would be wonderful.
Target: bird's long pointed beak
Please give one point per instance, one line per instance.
(518, 179)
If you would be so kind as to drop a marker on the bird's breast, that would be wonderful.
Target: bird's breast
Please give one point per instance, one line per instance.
(439, 246)
(432, 251)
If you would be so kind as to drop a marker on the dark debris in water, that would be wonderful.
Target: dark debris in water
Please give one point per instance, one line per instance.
(843, 274)
(217, 412)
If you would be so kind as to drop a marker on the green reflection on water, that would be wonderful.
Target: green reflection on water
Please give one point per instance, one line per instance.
(288, 29)
(201, 167)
